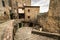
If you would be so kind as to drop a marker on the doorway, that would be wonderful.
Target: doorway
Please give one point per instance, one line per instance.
(21, 15)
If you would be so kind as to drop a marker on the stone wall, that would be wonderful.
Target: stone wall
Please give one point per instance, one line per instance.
(6, 30)
(22, 3)
(54, 8)
(4, 10)
(54, 19)
(51, 23)
(31, 13)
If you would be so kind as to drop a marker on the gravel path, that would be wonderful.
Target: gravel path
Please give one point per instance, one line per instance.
(24, 33)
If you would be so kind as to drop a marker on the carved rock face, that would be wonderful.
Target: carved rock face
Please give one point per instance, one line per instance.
(52, 23)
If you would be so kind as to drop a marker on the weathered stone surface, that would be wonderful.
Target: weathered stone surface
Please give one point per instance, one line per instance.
(6, 30)
(51, 23)
(53, 20)
(22, 3)
(4, 10)
(31, 13)
(24, 33)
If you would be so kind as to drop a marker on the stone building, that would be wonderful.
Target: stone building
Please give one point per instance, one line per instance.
(4, 13)
(22, 3)
(17, 9)
(23, 6)
(31, 13)
(17, 6)
(20, 7)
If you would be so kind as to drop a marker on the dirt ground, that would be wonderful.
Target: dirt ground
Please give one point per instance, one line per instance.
(24, 33)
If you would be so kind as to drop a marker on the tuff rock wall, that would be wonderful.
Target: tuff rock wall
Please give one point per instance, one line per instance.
(51, 22)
